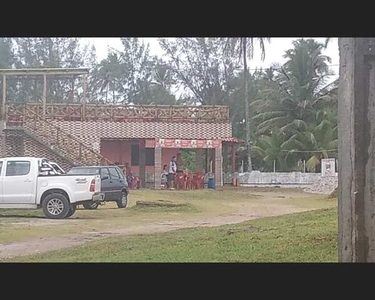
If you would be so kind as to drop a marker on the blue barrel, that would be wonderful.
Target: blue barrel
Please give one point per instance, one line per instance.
(211, 183)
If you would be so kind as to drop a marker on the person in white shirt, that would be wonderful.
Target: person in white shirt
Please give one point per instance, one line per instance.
(172, 171)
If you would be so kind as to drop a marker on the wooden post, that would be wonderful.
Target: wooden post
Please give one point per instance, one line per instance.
(83, 114)
(218, 167)
(356, 118)
(157, 168)
(44, 94)
(3, 113)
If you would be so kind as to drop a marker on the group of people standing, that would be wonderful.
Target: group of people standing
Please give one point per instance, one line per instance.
(167, 176)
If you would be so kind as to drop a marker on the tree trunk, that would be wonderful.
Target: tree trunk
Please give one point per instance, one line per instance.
(247, 112)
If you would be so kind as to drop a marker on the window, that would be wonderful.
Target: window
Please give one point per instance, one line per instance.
(1, 166)
(18, 168)
(104, 172)
(121, 174)
(150, 156)
(135, 155)
(114, 173)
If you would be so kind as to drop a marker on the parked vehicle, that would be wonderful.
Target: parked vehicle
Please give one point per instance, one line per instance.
(113, 184)
(31, 183)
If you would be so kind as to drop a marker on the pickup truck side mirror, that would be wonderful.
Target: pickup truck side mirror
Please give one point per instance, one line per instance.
(104, 178)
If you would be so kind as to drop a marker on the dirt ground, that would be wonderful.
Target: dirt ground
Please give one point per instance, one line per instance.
(28, 233)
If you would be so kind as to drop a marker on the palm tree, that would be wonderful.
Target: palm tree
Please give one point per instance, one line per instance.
(276, 149)
(108, 76)
(298, 91)
(318, 140)
(244, 48)
(162, 75)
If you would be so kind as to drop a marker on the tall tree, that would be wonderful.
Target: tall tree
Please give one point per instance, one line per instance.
(6, 53)
(200, 68)
(298, 90)
(125, 76)
(297, 101)
(244, 48)
(6, 62)
(48, 53)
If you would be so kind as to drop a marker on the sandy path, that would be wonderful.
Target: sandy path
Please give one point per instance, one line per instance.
(40, 245)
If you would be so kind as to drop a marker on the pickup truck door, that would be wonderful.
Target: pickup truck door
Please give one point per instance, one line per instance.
(117, 183)
(19, 182)
(106, 183)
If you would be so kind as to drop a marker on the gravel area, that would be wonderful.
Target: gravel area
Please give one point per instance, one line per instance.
(325, 185)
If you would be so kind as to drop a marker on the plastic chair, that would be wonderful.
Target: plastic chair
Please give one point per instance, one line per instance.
(194, 181)
(188, 179)
(179, 181)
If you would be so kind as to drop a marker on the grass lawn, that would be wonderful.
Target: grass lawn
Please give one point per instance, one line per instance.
(23, 225)
(301, 237)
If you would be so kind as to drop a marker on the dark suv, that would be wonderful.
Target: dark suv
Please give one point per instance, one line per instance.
(114, 184)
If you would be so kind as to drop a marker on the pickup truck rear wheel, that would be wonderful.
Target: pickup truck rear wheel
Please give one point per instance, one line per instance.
(56, 206)
(90, 205)
(123, 201)
(72, 210)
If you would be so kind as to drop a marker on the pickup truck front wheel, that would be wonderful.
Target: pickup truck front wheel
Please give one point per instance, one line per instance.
(56, 206)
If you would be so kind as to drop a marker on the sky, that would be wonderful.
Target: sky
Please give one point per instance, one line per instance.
(274, 50)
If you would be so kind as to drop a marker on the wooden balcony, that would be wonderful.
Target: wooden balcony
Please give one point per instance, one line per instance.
(18, 113)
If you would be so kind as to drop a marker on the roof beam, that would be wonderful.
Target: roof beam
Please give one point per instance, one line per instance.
(43, 71)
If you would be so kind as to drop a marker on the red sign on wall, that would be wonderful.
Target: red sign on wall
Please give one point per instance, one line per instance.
(185, 143)
(178, 143)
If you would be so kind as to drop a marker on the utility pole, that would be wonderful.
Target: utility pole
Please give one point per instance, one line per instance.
(356, 118)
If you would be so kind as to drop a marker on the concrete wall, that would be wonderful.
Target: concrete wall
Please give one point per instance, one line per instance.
(292, 178)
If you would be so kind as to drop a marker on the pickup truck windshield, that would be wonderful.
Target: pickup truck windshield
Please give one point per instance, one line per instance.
(81, 171)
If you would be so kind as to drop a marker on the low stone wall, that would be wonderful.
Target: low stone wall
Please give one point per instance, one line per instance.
(263, 178)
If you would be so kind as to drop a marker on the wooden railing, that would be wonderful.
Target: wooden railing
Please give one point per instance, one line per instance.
(63, 142)
(121, 113)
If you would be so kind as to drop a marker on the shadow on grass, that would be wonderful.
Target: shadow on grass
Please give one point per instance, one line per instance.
(42, 217)
(22, 216)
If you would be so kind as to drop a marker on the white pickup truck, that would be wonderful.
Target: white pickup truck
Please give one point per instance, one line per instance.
(26, 183)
